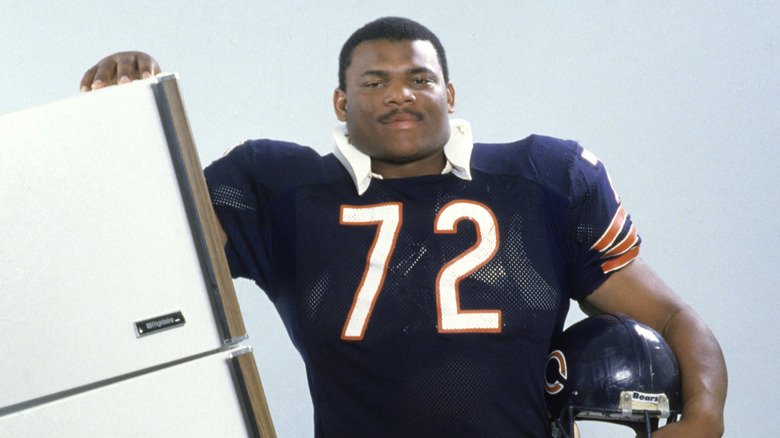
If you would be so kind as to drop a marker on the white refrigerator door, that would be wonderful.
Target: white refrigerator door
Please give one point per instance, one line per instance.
(197, 398)
(96, 236)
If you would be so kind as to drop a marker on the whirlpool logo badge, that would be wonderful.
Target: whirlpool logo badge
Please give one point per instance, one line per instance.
(159, 323)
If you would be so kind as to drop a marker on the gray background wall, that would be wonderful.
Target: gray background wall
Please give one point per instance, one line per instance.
(679, 98)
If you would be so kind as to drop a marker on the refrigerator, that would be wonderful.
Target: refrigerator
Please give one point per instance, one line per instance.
(118, 315)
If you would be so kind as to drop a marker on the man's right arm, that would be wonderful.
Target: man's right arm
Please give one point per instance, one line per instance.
(119, 68)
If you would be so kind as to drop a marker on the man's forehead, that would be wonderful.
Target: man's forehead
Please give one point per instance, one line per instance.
(383, 54)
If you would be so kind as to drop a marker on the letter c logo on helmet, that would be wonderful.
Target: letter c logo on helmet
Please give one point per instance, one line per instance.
(560, 359)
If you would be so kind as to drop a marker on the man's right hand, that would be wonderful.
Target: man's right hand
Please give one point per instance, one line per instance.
(119, 68)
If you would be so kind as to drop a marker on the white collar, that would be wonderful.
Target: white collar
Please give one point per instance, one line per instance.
(457, 151)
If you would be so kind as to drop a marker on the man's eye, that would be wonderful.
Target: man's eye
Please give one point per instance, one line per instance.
(372, 84)
(421, 81)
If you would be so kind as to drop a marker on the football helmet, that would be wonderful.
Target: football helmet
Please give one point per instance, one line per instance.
(611, 368)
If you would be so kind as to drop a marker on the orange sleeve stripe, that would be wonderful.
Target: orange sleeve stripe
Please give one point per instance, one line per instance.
(612, 232)
(615, 264)
(625, 245)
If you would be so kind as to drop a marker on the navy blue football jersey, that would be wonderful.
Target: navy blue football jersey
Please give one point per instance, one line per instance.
(426, 305)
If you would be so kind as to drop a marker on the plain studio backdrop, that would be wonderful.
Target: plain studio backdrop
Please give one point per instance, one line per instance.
(679, 98)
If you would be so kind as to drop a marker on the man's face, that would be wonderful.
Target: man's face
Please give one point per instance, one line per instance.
(396, 102)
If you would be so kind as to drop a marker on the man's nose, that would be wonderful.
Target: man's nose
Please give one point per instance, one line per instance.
(399, 93)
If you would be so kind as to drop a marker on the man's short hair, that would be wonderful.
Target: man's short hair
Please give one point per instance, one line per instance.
(393, 29)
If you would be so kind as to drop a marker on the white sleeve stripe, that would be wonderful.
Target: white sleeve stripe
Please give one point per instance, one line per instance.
(620, 262)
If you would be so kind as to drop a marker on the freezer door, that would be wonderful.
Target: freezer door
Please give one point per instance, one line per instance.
(110, 259)
(197, 398)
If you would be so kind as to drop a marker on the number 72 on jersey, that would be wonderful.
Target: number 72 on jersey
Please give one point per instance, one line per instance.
(388, 218)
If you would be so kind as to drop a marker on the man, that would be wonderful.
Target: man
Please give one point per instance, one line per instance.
(422, 276)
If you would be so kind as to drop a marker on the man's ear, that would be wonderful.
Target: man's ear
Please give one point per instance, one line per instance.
(450, 98)
(340, 104)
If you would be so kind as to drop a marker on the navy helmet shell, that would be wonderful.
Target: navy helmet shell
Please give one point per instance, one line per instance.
(610, 367)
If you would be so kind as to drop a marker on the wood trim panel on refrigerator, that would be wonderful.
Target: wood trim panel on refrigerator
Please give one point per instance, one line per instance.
(190, 174)
(252, 394)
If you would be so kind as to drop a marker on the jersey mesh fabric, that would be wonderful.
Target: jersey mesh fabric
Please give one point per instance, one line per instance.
(406, 376)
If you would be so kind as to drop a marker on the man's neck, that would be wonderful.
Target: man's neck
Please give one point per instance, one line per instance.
(430, 165)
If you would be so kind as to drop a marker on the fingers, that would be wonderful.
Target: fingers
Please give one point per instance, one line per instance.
(147, 66)
(119, 68)
(126, 69)
(88, 78)
(105, 74)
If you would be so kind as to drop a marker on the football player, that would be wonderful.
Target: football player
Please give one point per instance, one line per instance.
(422, 276)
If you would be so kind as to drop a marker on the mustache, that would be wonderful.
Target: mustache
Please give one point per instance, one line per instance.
(385, 117)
